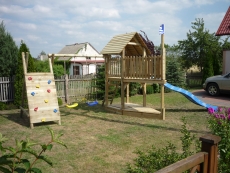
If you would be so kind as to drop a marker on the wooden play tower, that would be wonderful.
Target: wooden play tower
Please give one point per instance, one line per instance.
(128, 59)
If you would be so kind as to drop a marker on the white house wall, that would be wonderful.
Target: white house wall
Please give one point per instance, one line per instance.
(85, 69)
(92, 68)
(89, 67)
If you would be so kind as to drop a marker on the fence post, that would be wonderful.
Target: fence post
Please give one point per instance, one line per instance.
(66, 88)
(210, 145)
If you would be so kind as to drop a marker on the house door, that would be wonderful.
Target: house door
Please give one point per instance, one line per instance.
(76, 70)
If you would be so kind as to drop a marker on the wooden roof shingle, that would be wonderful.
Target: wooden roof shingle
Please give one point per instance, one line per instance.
(224, 28)
(119, 42)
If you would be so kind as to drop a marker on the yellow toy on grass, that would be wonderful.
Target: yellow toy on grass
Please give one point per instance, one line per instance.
(72, 106)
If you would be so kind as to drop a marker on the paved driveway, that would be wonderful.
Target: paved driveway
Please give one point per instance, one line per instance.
(222, 100)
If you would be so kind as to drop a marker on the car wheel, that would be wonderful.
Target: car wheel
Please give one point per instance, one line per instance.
(213, 89)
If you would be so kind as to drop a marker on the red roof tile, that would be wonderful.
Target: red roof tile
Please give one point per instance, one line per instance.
(224, 28)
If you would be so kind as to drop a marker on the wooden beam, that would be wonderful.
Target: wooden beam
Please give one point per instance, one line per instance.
(162, 101)
(107, 70)
(163, 65)
(50, 65)
(73, 55)
(186, 164)
(127, 93)
(134, 43)
(144, 94)
(122, 79)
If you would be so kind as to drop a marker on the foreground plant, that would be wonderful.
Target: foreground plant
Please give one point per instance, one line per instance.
(13, 159)
(156, 159)
(219, 124)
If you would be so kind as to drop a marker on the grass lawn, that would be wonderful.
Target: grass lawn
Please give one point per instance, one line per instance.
(99, 141)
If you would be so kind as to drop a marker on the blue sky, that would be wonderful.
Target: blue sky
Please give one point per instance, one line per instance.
(49, 25)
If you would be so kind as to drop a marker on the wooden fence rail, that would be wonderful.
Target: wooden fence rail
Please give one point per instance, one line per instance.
(71, 87)
(68, 87)
(205, 161)
(6, 89)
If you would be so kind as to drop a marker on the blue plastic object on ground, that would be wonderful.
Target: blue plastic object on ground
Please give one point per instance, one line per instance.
(190, 96)
(92, 103)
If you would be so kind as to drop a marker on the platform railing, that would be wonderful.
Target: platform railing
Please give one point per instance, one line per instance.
(137, 67)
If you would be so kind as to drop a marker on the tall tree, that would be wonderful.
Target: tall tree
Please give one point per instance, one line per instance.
(194, 48)
(18, 85)
(202, 49)
(8, 53)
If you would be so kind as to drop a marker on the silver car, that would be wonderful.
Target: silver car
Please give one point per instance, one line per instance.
(217, 84)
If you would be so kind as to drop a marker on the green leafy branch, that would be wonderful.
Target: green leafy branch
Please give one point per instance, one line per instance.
(11, 158)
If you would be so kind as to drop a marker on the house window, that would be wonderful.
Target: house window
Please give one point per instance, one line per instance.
(76, 70)
(88, 58)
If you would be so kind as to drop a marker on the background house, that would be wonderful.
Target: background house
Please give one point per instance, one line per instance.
(86, 61)
(42, 57)
(224, 29)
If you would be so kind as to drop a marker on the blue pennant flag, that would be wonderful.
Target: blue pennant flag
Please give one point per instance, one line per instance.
(162, 29)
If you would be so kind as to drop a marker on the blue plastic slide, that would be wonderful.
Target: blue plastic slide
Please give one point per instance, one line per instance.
(190, 96)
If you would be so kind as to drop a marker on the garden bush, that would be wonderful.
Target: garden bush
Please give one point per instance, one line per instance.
(219, 124)
(155, 159)
(2, 106)
(60, 101)
(156, 88)
(14, 159)
(149, 90)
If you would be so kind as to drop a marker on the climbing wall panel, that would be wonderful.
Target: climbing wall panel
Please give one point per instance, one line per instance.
(41, 95)
(42, 98)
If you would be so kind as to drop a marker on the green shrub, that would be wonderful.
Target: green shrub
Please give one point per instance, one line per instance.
(2, 106)
(60, 101)
(149, 89)
(134, 88)
(13, 159)
(156, 88)
(174, 73)
(219, 124)
(19, 77)
(155, 159)
(8, 52)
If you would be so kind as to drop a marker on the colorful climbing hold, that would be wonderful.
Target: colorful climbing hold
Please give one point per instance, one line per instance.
(55, 110)
(35, 109)
(43, 119)
(29, 78)
(32, 93)
(48, 90)
(37, 86)
(46, 101)
(49, 81)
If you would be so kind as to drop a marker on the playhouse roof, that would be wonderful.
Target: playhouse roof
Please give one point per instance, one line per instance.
(224, 28)
(131, 41)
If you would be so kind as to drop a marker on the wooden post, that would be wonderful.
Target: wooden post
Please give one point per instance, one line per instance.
(25, 65)
(162, 101)
(144, 94)
(127, 93)
(66, 88)
(163, 58)
(162, 76)
(50, 65)
(122, 79)
(64, 68)
(52, 59)
(107, 69)
(210, 145)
